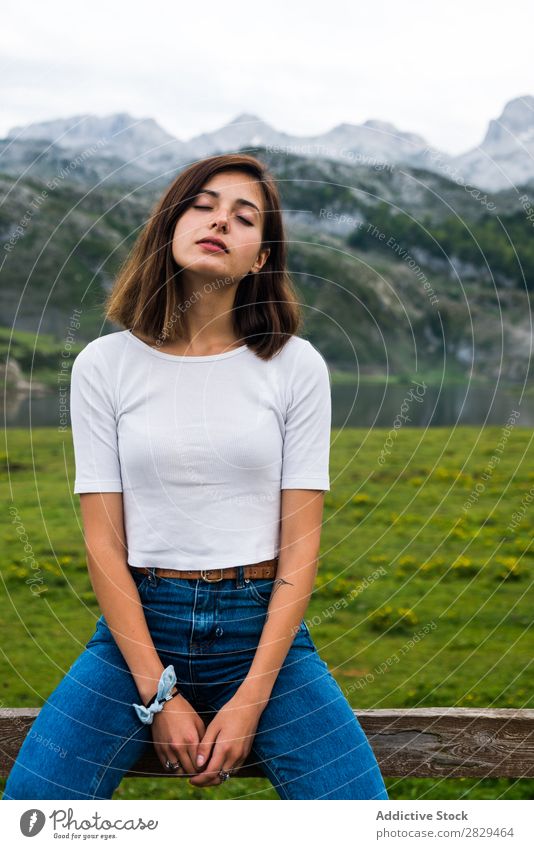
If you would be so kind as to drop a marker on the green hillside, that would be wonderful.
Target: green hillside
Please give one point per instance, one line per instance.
(400, 556)
(449, 282)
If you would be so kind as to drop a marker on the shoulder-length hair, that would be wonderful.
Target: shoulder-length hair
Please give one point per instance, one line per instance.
(148, 295)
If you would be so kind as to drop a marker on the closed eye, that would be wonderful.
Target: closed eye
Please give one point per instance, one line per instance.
(241, 217)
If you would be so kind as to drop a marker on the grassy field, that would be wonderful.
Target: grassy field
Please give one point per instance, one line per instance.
(402, 554)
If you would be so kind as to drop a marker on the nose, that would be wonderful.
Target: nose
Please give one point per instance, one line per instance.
(221, 220)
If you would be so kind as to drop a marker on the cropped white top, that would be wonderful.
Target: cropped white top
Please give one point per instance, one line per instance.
(200, 447)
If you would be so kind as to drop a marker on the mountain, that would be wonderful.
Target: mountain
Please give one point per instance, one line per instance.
(131, 147)
(244, 131)
(118, 147)
(123, 149)
(443, 289)
(373, 142)
(376, 220)
(118, 134)
(505, 158)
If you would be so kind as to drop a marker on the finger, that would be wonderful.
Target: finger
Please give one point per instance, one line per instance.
(209, 774)
(165, 753)
(182, 753)
(205, 746)
(201, 730)
(191, 756)
(169, 756)
(162, 754)
(228, 766)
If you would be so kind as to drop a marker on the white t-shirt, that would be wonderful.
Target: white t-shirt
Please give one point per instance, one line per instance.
(200, 447)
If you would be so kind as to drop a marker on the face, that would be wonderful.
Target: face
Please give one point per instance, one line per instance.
(228, 208)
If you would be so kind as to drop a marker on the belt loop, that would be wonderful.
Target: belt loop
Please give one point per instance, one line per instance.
(240, 579)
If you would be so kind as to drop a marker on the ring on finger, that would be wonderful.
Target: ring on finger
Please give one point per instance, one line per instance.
(169, 765)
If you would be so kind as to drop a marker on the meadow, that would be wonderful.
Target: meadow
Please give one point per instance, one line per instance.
(426, 533)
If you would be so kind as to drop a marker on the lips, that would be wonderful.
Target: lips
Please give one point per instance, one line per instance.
(213, 241)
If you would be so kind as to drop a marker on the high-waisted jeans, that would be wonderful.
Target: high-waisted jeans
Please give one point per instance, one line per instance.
(87, 735)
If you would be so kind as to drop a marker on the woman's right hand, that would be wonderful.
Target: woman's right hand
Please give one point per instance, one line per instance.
(177, 730)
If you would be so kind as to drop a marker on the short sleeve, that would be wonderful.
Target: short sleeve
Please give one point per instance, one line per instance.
(94, 429)
(306, 449)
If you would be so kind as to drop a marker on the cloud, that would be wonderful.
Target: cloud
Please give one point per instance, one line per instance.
(195, 67)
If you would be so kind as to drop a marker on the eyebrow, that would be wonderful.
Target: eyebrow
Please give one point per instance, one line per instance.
(242, 201)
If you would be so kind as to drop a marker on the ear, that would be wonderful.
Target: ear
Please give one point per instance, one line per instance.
(261, 260)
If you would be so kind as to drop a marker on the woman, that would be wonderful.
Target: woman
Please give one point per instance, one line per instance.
(201, 435)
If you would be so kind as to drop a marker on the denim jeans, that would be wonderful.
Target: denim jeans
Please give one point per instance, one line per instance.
(87, 735)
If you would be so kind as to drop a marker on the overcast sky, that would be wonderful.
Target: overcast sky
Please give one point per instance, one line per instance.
(440, 70)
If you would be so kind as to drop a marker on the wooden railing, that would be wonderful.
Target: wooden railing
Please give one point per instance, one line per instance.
(418, 743)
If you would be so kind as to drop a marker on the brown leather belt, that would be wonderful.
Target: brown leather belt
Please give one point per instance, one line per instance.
(264, 569)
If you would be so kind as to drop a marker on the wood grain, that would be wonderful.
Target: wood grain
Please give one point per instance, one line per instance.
(417, 743)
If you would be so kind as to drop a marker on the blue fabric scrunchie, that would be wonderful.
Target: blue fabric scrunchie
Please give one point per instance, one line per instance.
(165, 685)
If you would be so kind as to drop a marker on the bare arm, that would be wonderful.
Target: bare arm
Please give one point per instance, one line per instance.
(177, 729)
(300, 537)
(115, 589)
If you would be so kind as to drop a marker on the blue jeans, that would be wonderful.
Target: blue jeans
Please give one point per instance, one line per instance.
(87, 735)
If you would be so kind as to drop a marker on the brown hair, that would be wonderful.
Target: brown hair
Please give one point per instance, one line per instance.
(147, 292)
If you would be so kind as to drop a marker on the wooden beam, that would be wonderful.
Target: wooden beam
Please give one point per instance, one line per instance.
(434, 742)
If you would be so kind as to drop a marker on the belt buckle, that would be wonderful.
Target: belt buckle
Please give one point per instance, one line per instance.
(203, 573)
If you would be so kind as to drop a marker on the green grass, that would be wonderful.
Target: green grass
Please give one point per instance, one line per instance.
(399, 556)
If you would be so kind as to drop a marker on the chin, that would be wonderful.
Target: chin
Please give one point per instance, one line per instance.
(198, 263)
(211, 269)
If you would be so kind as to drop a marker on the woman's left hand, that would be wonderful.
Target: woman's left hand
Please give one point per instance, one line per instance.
(228, 738)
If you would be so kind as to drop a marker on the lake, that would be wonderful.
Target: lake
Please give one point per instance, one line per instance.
(361, 405)
(369, 405)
